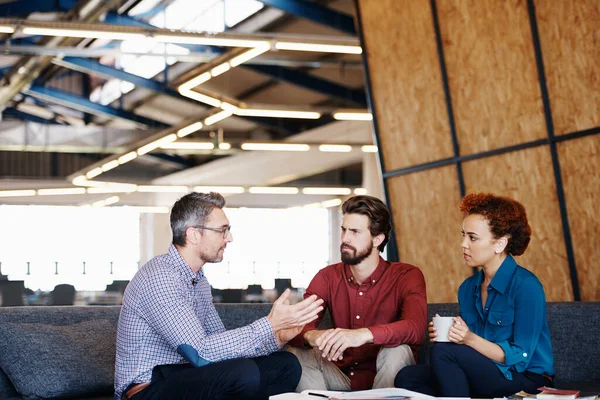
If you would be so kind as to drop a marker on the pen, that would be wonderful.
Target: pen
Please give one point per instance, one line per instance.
(318, 395)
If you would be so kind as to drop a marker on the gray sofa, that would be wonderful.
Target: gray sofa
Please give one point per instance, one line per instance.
(68, 352)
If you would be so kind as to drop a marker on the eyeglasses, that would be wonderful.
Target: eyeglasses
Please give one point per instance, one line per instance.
(225, 230)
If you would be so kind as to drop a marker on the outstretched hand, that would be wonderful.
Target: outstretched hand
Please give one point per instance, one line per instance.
(283, 315)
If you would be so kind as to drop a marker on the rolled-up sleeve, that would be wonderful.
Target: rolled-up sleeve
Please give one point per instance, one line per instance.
(530, 313)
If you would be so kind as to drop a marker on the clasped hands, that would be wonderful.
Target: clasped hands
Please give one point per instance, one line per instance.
(333, 342)
(287, 320)
(459, 331)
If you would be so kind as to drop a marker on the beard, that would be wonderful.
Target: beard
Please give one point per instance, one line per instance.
(352, 256)
(215, 257)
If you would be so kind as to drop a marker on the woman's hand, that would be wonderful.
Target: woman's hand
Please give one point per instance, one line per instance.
(432, 332)
(459, 332)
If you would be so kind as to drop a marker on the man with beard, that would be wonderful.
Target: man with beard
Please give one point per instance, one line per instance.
(168, 317)
(378, 309)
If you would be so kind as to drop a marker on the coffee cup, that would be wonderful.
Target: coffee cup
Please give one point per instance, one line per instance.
(442, 326)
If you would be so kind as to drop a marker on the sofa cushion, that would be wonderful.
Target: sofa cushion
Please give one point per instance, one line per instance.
(47, 361)
(6, 387)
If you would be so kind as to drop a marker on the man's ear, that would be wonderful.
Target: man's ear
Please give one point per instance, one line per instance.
(192, 235)
(377, 240)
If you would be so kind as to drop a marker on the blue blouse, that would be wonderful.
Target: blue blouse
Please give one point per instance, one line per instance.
(514, 317)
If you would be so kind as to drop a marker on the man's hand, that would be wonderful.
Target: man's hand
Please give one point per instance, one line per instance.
(334, 342)
(311, 337)
(285, 316)
(285, 335)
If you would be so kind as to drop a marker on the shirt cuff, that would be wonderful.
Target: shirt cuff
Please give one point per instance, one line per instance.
(379, 335)
(266, 330)
(514, 355)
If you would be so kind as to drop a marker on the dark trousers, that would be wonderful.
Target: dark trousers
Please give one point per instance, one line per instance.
(459, 371)
(241, 378)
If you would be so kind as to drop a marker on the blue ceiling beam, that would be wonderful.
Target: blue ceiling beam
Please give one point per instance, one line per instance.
(315, 13)
(82, 104)
(307, 81)
(295, 77)
(23, 8)
(13, 112)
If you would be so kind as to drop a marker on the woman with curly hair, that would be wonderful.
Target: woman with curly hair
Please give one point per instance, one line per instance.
(500, 343)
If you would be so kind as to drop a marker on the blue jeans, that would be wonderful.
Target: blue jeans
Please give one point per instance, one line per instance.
(241, 378)
(459, 371)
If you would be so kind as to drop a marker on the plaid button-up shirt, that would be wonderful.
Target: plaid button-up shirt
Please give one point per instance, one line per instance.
(162, 309)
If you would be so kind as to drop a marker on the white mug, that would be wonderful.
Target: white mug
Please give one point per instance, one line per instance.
(442, 326)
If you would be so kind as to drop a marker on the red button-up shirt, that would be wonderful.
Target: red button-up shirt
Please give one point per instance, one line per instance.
(391, 303)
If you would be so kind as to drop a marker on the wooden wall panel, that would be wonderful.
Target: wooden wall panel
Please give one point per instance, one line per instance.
(570, 38)
(406, 82)
(427, 225)
(527, 176)
(580, 161)
(492, 73)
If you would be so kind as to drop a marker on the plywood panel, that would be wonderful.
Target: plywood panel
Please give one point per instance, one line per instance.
(492, 73)
(427, 225)
(527, 176)
(579, 161)
(570, 37)
(406, 82)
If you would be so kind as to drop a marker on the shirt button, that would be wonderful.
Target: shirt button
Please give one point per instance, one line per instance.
(355, 363)
(499, 322)
(524, 354)
(358, 317)
(351, 373)
(360, 293)
(373, 281)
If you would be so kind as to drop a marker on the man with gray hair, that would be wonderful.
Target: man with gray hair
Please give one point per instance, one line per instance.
(168, 318)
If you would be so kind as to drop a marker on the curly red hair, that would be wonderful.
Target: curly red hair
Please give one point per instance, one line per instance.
(505, 216)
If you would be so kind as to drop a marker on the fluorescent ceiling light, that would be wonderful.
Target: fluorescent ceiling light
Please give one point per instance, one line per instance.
(62, 191)
(156, 144)
(93, 173)
(95, 34)
(224, 146)
(132, 155)
(150, 209)
(220, 189)
(353, 116)
(249, 55)
(250, 112)
(111, 200)
(335, 148)
(275, 146)
(229, 107)
(360, 191)
(220, 69)
(79, 180)
(209, 40)
(325, 48)
(189, 129)
(162, 189)
(332, 191)
(369, 149)
(273, 190)
(213, 119)
(16, 193)
(331, 203)
(202, 98)
(113, 188)
(7, 29)
(200, 79)
(312, 205)
(189, 146)
(110, 165)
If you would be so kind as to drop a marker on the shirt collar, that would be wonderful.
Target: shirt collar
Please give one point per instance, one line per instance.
(179, 265)
(502, 278)
(373, 278)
